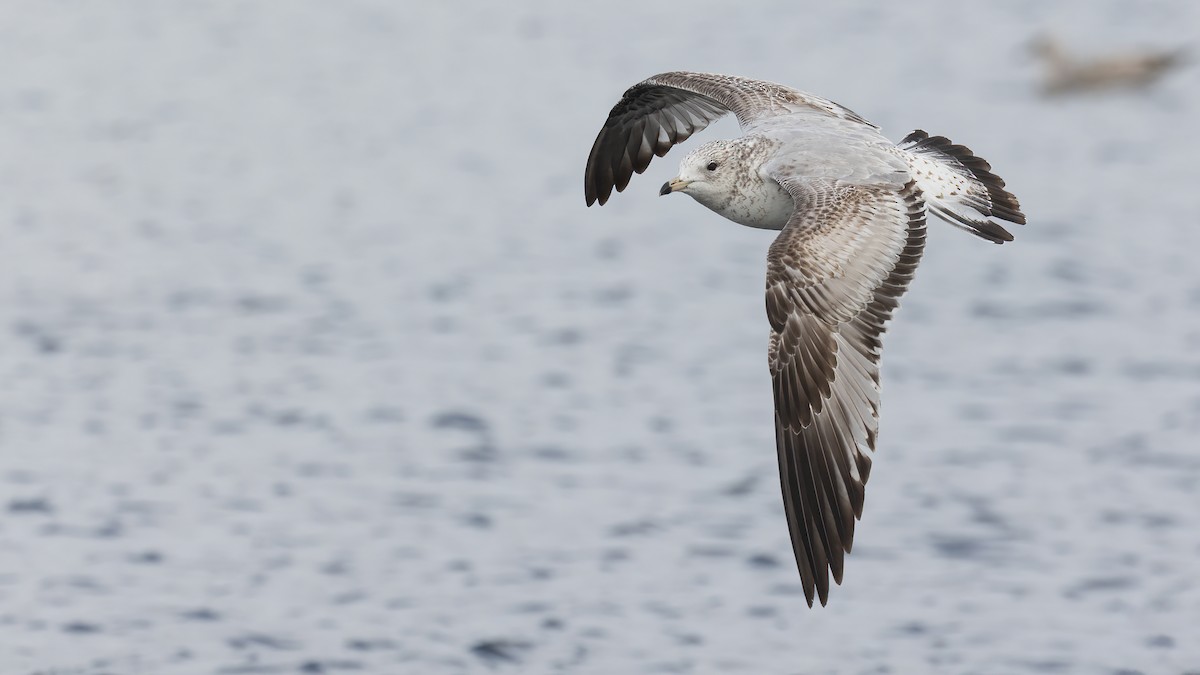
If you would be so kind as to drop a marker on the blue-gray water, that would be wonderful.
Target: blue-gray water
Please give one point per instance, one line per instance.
(312, 359)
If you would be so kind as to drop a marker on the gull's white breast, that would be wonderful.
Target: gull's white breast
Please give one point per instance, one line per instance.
(755, 201)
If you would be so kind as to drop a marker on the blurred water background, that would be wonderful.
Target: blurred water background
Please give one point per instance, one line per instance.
(312, 359)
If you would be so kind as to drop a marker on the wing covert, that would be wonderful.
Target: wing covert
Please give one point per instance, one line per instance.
(834, 275)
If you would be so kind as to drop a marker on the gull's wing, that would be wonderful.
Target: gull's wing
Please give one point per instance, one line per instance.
(666, 109)
(834, 275)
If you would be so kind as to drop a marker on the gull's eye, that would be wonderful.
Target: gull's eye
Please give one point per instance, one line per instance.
(712, 166)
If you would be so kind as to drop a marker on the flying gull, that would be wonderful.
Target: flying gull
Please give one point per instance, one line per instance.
(850, 206)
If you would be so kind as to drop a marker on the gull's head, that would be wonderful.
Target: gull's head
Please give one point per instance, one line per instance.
(705, 173)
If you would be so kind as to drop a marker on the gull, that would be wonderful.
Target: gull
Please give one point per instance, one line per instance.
(850, 206)
(1066, 73)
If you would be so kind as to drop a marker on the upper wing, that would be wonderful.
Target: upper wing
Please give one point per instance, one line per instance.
(834, 275)
(666, 109)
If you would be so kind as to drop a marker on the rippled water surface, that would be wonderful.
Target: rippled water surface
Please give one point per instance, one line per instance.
(313, 361)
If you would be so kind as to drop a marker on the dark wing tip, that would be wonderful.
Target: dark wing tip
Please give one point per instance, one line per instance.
(650, 118)
(591, 195)
(916, 136)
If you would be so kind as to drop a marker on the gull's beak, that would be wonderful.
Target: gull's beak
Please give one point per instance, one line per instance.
(673, 185)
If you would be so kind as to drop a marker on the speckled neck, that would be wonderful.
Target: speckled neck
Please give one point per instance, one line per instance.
(752, 199)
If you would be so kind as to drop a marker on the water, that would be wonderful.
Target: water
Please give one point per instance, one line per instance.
(313, 360)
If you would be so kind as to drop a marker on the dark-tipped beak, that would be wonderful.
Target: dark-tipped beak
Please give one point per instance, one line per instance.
(673, 185)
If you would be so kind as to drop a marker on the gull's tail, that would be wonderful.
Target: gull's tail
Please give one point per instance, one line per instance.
(959, 187)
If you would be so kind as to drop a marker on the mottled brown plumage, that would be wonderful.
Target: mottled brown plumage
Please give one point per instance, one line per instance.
(833, 277)
(851, 208)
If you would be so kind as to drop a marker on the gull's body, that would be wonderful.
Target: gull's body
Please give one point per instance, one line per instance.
(851, 208)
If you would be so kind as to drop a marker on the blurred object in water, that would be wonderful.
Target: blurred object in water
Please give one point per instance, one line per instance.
(1067, 73)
